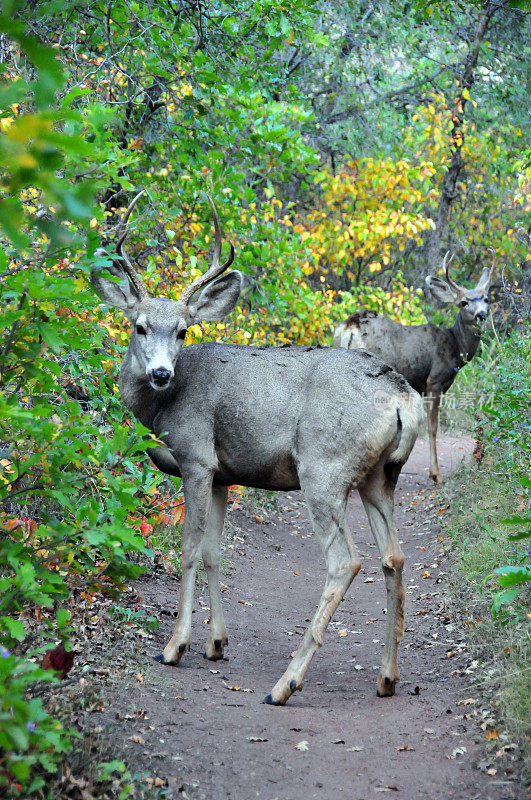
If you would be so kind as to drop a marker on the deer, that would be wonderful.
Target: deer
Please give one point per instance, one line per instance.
(277, 418)
(428, 356)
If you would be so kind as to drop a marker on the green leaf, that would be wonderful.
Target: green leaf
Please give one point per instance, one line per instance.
(14, 627)
(63, 617)
(510, 576)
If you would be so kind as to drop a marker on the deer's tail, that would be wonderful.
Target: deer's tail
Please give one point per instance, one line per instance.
(408, 409)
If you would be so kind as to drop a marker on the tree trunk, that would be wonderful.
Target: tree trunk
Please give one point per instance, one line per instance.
(449, 189)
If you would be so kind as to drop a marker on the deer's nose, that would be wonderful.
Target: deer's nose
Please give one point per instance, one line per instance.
(161, 376)
(482, 315)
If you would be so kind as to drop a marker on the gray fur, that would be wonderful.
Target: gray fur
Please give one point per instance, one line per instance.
(428, 356)
(322, 420)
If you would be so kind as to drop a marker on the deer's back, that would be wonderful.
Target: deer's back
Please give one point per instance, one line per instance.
(264, 412)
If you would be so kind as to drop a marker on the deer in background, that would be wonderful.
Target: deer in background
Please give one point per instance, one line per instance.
(267, 417)
(428, 356)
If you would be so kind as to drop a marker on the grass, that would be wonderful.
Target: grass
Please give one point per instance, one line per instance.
(490, 398)
(477, 499)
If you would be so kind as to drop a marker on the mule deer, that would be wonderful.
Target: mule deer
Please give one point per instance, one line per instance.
(279, 418)
(428, 356)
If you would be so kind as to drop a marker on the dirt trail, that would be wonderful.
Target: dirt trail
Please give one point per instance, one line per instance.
(216, 743)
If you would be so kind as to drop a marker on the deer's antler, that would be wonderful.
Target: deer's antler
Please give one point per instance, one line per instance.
(486, 276)
(215, 268)
(123, 230)
(446, 266)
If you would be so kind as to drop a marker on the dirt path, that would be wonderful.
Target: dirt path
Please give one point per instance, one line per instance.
(214, 742)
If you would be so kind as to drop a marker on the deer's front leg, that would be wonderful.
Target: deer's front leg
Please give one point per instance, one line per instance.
(197, 499)
(217, 637)
(434, 400)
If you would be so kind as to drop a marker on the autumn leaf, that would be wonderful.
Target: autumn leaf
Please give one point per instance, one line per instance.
(302, 745)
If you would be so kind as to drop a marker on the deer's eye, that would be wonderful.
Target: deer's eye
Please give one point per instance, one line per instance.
(463, 303)
(140, 330)
(181, 334)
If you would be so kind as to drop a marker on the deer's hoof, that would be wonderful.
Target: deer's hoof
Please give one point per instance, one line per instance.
(386, 686)
(270, 701)
(214, 648)
(160, 658)
(436, 477)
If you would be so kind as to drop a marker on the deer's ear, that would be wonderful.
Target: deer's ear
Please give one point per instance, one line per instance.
(217, 299)
(441, 290)
(123, 294)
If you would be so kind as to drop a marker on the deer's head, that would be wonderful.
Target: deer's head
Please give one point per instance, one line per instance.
(472, 303)
(159, 325)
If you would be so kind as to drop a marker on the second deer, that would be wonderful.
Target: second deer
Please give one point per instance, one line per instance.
(428, 356)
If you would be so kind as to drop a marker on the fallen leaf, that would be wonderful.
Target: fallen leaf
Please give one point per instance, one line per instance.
(505, 749)
(302, 745)
(257, 739)
(492, 733)
(492, 771)
(139, 677)
(338, 741)
(244, 603)
(295, 572)
(404, 748)
(426, 574)
(343, 632)
(137, 739)
(368, 580)
(459, 751)
(469, 701)
(450, 653)
(58, 659)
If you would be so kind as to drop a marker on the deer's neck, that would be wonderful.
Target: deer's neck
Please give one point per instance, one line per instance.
(136, 392)
(467, 337)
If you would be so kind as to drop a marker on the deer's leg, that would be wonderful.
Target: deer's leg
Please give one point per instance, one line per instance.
(217, 637)
(197, 497)
(434, 400)
(377, 496)
(343, 564)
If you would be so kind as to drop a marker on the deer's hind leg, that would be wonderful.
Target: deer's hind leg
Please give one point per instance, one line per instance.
(377, 494)
(217, 637)
(327, 511)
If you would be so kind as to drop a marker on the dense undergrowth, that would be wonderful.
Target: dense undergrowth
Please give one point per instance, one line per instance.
(490, 577)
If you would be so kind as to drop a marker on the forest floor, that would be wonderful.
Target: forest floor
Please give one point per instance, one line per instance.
(202, 727)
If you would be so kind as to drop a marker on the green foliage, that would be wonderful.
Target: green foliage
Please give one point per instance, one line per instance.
(69, 478)
(32, 742)
(488, 521)
(288, 113)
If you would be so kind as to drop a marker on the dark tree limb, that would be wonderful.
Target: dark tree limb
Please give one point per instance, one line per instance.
(449, 190)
